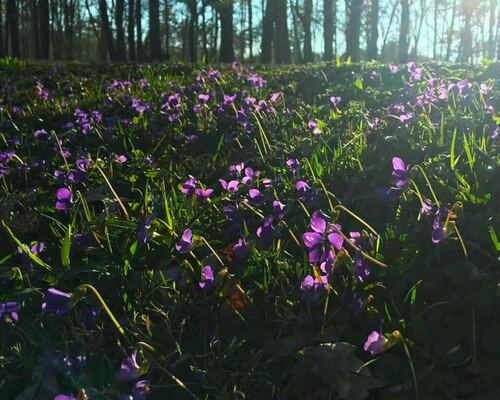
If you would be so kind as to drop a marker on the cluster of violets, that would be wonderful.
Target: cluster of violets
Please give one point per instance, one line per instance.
(402, 176)
(243, 188)
(436, 93)
(58, 303)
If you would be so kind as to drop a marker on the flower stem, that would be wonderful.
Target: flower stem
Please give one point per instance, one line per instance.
(428, 184)
(104, 305)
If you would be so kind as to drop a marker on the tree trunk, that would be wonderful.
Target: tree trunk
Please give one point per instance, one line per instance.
(215, 35)
(138, 23)
(403, 32)
(372, 50)
(353, 30)
(43, 14)
(328, 29)
(267, 33)
(167, 30)
(192, 30)
(121, 53)
(204, 41)
(242, 36)
(282, 42)
(306, 21)
(35, 31)
(491, 32)
(466, 43)
(226, 31)
(69, 18)
(498, 35)
(154, 30)
(12, 21)
(449, 37)
(107, 35)
(250, 29)
(131, 31)
(296, 37)
(436, 31)
(2, 53)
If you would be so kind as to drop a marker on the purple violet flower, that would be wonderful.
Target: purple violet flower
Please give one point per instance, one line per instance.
(439, 226)
(141, 390)
(65, 397)
(64, 198)
(40, 134)
(189, 186)
(129, 369)
(320, 241)
(255, 197)
(250, 175)
(335, 100)
(312, 289)
(9, 312)
(303, 189)
(231, 186)
(186, 243)
(207, 278)
(143, 234)
(56, 302)
(203, 194)
(240, 250)
(265, 232)
(279, 209)
(121, 159)
(375, 343)
(293, 164)
(401, 174)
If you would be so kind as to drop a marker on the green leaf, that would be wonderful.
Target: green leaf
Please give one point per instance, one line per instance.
(358, 83)
(338, 61)
(452, 149)
(133, 248)
(494, 239)
(26, 249)
(66, 248)
(468, 152)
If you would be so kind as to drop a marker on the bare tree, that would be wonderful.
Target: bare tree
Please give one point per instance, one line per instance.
(167, 29)
(43, 14)
(329, 27)
(120, 32)
(154, 30)
(267, 33)
(465, 54)
(225, 9)
(372, 50)
(13, 27)
(282, 41)
(250, 29)
(2, 53)
(131, 31)
(491, 32)
(306, 18)
(451, 31)
(192, 7)
(403, 32)
(106, 30)
(138, 24)
(353, 28)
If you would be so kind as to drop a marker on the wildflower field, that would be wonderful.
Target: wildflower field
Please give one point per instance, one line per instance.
(320, 232)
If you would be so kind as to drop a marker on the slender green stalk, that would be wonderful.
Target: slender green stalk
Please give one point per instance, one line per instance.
(361, 220)
(122, 206)
(428, 184)
(104, 305)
